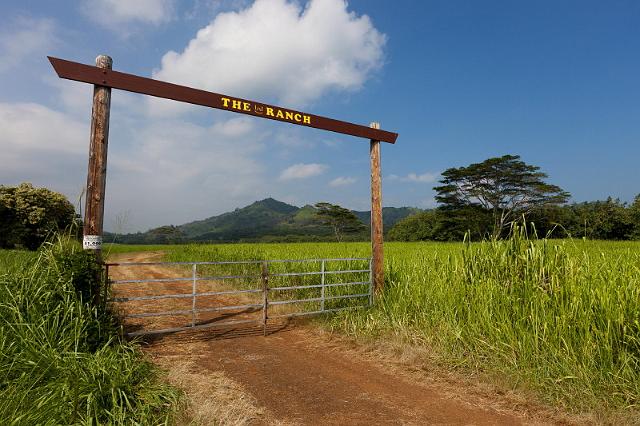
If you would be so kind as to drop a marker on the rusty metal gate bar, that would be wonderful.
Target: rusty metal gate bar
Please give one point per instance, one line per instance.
(264, 276)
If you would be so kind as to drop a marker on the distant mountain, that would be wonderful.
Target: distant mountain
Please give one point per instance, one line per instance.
(265, 220)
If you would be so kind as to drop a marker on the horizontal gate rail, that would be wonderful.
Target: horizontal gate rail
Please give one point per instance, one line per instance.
(248, 308)
(299, 314)
(195, 327)
(190, 311)
(319, 285)
(318, 299)
(294, 274)
(239, 262)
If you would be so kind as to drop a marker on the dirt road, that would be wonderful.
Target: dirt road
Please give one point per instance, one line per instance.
(298, 375)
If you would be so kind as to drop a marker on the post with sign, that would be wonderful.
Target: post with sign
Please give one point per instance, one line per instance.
(97, 173)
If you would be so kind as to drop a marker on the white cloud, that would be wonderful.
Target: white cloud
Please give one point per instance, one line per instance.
(275, 49)
(162, 171)
(43, 146)
(429, 203)
(414, 177)
(176, 171)
(423, 178)
(302, 171)
(24, 38)
(342, 181)
(116, 14)
(29, 127)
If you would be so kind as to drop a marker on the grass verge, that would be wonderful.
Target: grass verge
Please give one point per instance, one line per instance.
(61, 360)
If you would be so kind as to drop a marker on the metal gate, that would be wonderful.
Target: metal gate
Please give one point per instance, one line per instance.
(178, 296)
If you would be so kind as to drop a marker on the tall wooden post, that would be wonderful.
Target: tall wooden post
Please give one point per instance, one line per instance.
(97, 173)
(377, 254)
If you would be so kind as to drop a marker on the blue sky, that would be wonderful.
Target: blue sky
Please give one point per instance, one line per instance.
(556, 82)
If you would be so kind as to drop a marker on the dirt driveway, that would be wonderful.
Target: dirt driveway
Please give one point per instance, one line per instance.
(299, 375)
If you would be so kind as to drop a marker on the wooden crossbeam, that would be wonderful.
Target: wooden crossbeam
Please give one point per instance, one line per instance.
(161, 89)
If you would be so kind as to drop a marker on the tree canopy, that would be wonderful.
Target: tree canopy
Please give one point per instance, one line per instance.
(503, 187)
(341, 220)
(29, 214)
(418, 227)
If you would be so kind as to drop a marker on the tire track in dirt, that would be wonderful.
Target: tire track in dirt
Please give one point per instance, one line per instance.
(293, 376)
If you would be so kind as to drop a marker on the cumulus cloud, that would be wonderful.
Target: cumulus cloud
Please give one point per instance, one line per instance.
(113, 14)
(423, 178)
(414, 177)
(162, 171)
(42, 146)
(302, 171)
(25, 37)
(175, 171)
(342, 181)
(29, 127)
(274, 49)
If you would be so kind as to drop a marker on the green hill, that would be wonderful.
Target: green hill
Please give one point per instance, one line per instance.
(265, 220)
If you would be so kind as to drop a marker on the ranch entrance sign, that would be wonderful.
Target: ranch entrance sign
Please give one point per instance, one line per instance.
(104, 79)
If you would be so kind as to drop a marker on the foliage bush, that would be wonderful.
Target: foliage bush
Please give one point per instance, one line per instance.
(420, 227)
(29, 215)
(598, 220)
(80, 269)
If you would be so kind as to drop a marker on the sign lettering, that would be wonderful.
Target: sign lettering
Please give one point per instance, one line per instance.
(274, 112)
(92, 242)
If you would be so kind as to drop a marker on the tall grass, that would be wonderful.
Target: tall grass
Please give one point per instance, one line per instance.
(61, 361)
(560, 317)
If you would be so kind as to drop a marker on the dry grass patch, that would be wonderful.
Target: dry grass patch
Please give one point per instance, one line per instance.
(211, 397)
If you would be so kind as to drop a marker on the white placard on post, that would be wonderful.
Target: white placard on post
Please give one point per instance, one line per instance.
(92, 242)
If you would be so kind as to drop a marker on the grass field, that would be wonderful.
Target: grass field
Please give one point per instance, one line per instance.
(561, 318)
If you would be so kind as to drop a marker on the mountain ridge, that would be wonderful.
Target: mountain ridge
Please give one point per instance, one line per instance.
(263, 220)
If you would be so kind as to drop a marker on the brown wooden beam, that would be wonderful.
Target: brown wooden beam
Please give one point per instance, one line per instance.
(133, 83)
(377, 239)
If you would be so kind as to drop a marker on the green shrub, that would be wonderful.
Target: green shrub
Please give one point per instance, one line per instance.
(79, 267)
(29, 215)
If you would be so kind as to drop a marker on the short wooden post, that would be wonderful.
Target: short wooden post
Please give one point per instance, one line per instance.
(97, 173)
(106, 285)
(322, 295)
(370, 282)
(265, 296)
(194, 290)
(377, 254)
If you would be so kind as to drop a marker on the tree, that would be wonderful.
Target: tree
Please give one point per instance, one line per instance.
(505, 186)
(634, 218)
(340, 219)
(602, 220)
(28, 215)
(419, 227)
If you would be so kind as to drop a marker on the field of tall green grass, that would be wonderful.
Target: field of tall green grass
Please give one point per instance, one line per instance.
(559, 317)
(62, 360)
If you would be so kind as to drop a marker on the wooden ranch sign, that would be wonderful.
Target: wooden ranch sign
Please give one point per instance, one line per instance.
(104, 79)
(118, 80)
